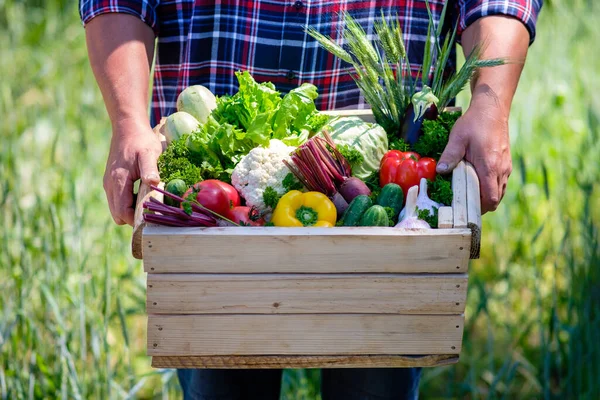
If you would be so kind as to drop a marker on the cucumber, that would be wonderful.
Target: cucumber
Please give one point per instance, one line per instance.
(356, 209)
(391, 196)
(375, 216)
(177, 187)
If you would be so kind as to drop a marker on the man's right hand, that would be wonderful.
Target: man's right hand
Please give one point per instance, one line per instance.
(134, 150)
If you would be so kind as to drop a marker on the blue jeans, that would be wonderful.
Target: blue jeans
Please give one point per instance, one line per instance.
(336, 384)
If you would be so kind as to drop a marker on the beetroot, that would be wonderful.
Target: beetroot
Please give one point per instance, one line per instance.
(353, 187)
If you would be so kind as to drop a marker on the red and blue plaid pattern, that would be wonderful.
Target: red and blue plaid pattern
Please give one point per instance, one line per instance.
(205, 42)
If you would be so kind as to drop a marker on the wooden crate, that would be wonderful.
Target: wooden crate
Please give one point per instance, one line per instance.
(271, 297)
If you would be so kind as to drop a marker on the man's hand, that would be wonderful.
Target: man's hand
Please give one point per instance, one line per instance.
(481, 134)
(481, 137)
(121, 47)
(134, 149)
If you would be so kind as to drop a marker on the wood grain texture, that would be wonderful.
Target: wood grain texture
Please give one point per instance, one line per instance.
(366, 115)
(445, 218)
(305, 250)
(144, 193)
(303, 334)
(306, 293)
(459, 197)
(279, 361)
(473, 209)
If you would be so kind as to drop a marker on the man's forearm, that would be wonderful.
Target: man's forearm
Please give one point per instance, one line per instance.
(121, 48)
(501, 37)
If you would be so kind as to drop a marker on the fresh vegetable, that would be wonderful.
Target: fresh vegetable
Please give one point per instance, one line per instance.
(440, 190)
(361, 143)
(429, 217)
(177, 162)
(374, 216)
(179, 124)
(162, 214)
(246, 216)
(382, 69)
(251, 118)
(353, 187)
(197, 101)
(405, 169)
(391, 213)
(356, 209)
(299, 209)
(391, 196)
(409, 219)
(423, 200)
(422, 107)
(322, 168)
(217, 196)
(436, 133)
(424, 203)
(259, 176)
(176, 187)
(261, 114)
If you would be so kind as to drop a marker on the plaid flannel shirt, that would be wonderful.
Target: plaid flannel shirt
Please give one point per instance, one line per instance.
(205, 42)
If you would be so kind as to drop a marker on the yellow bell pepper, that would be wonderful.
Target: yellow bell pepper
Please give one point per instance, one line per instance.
(299, 209)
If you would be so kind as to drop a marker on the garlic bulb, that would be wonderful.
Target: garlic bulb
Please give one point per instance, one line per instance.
(409, 219)
(423, 200)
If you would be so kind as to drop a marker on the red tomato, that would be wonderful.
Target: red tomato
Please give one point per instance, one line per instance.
(215, 195)
(232, 194)
(246, 216)
(405, 169)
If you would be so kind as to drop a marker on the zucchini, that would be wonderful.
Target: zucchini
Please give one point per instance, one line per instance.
(391, 196)
(356, 209)
(375, 216)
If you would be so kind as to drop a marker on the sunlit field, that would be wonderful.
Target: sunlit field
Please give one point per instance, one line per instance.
(72, 299)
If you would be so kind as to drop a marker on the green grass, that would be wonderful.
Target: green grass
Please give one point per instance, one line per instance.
(72, 299)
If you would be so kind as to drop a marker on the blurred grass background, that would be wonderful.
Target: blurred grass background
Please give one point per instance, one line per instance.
(72, 299)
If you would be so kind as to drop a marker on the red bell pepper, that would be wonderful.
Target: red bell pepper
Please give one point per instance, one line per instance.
(405, 169)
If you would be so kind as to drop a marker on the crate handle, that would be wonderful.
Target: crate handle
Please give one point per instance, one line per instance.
(143, 195)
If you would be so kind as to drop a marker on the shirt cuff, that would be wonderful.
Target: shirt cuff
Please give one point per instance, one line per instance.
(144, 10)
(525, 11)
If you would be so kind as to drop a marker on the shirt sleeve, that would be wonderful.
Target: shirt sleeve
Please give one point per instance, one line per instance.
(143, 9)
(525, 11)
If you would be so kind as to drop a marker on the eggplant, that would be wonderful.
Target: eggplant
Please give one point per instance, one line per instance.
(411, 130)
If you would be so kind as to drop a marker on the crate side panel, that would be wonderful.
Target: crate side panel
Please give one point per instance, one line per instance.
(306, 293)
(305, 250)
(303, 334)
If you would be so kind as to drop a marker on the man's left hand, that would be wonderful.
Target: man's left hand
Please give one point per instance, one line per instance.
(481, 137)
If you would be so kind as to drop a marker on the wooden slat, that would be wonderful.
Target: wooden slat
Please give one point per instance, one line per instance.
(269, 362)
(445, 218)
(305, 250)
(365, 115)
(302, 334)
(306, 293)
(459, 198)
(473, 209)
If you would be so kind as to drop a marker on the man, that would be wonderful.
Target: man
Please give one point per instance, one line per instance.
(205, 42)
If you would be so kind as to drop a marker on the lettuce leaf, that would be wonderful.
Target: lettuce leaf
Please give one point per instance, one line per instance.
(252, 117)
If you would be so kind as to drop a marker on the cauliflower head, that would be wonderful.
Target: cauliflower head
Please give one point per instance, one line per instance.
(262, 169)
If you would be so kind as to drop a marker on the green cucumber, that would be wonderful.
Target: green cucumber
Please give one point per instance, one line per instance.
(356, 209)
(178, 188)
(375, 216)
(391, 196)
